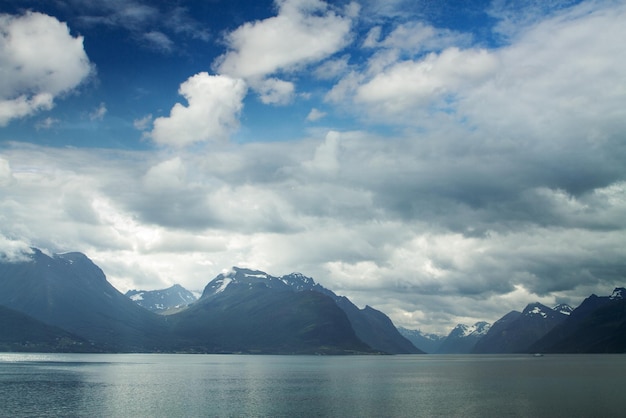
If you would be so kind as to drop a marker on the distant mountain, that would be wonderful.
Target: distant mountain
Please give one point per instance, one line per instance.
(463, 338)
(20, 332)
(250, 311)
(598, 325)
(429, 343)
(160, 301)
(70, 292)
(515, 332)
(370, 325)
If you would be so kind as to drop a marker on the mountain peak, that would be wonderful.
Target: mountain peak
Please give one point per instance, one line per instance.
(563, 308)
(618, 293)
(537, 309)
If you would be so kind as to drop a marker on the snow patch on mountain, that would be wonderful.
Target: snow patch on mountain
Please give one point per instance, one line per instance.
(618, 293)
(223, 285)
(538, 311)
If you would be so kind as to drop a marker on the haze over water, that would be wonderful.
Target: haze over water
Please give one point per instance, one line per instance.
(164, 385)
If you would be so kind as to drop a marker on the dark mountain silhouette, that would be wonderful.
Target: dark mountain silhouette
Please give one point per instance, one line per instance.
(463, 338)
(598, 325)
(64, 303)
(251, 312)
(70, 292)
(370, 325)
(20, 332)
(515, 332)
(255, 313)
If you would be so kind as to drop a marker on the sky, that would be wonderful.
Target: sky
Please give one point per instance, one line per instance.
(442, 161)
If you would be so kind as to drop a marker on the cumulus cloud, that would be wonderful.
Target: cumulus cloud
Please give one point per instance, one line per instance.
(303, 32)
(214, 103)
(41, 60)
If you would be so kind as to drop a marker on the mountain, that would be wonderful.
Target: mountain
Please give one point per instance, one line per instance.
(515, 332)
(598, 325)
(160, 301)
(429, 343)
(249, 311)
(370, 325)
(463, 338)
(70, 292)
(20, 332)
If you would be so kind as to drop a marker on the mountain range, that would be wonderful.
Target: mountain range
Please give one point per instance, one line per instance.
(597, 325)
(64, 303)
(243, 311)
(165, 300)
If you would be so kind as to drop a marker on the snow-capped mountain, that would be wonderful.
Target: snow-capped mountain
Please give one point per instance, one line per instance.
(516, 332)
(162, 300)
(370, 325)
(429, 343)
(463, 338)
(241, 276)
(597, 325)
(563, 308)
(618, 293)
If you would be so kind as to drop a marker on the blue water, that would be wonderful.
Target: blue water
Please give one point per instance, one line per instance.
(178, 385)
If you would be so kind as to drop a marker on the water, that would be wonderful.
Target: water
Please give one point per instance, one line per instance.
(177, 385)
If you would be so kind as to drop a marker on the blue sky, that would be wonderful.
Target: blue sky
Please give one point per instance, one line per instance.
(422, 157)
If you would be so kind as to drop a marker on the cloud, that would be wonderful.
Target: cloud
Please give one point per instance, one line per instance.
(214, 103)
(41, 61)
(325, 159)
(99, 112)
(552, 67)
(303, 32)
(275, 91)
(430, 82)
(159, 41)
(47, 123)
(315, 115)
(144, 123)
(496, 179)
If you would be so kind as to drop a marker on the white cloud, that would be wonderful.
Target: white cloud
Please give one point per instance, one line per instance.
(275, 91)
(332, 68)
(214, 103)
(6, 175)
(41, 61)
(99, 112)
(427, 82)
(144, 123)
(326, 158)
(304, 31)
(563, 65)
(47, 123)
(315, 115)
(159, 40)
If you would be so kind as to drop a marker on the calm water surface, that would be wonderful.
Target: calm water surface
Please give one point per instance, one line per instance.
(178, 385)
